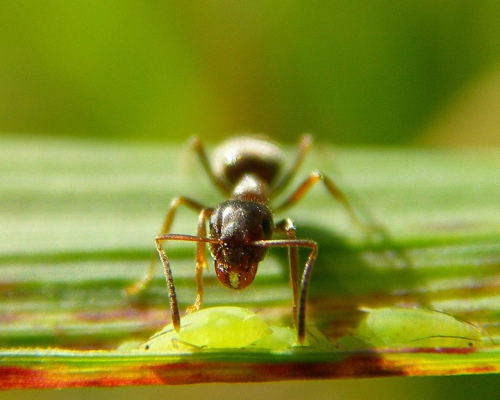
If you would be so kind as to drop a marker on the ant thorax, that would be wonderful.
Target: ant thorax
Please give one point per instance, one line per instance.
(251, 188)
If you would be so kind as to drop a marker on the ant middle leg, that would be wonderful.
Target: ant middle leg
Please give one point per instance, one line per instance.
(201, 259)
(172, 296)
(308, 183)
(140, 285)
(375, 233)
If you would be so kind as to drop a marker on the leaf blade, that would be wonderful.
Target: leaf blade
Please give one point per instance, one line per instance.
(78, 220)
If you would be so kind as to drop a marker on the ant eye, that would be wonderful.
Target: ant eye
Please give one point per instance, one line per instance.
(266, 226)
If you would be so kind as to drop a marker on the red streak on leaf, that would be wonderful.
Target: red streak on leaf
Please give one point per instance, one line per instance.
(188, 373)
(18, 377)
(104, 370)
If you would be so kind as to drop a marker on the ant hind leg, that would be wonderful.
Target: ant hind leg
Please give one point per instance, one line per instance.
(198, 147)
(304, 145)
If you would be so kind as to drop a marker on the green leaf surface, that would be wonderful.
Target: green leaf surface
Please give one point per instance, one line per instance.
(77, 226)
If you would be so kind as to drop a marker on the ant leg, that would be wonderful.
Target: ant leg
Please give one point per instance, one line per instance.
(197, 145)
(314, 178)
(306, 274)
(172, 296)
(288, 227)
(201, 260)
(304, 144)
(376, 233)
(140, 285)
(304, 285)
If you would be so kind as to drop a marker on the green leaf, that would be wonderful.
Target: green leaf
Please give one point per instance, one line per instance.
(77, 227)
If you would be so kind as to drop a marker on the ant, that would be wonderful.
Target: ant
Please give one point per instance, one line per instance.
(245, 169)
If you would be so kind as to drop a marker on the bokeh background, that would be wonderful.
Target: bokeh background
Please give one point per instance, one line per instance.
(349, 71)
(352, 72)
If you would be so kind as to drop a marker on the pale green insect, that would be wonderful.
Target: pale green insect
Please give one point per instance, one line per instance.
(413, 327)
(221, 327)
(226, 328)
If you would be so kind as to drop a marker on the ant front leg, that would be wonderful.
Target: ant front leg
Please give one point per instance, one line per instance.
(288, 227)
(140, 285)
(304, 285)
(306, 274)
(172, 296)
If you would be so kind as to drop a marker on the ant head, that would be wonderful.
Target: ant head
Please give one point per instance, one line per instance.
(236, 224)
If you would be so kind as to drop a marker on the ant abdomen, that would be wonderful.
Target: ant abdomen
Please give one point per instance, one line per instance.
(236, 157)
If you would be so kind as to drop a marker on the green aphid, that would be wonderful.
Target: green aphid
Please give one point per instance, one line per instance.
(414, 327)
(221, 328)
(228, 328)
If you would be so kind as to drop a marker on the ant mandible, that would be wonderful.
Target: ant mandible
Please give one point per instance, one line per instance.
(245, 169)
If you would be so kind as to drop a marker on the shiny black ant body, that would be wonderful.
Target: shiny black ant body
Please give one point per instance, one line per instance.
(246, 170)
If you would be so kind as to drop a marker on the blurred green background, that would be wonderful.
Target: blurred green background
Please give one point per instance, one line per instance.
(349, 71)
